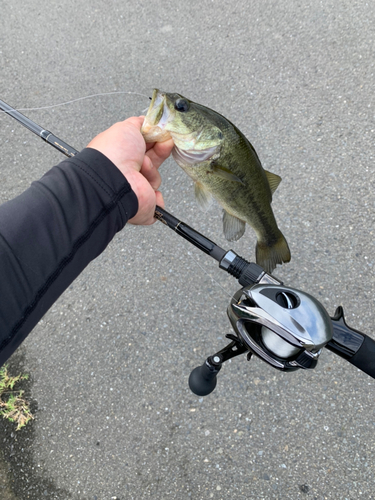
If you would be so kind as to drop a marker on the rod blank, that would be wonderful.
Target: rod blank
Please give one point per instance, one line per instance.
(46, 135)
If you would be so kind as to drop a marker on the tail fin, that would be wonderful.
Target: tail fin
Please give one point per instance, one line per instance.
(269, 254)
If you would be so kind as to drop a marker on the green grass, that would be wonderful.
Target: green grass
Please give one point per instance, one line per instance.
(12, 404)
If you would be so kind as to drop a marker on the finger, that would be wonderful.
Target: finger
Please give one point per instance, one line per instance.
(159, 199)
(150, 173)
(149, 145)
(135, 120)
(160, 152)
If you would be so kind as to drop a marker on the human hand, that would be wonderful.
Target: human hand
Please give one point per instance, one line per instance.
(125, 146)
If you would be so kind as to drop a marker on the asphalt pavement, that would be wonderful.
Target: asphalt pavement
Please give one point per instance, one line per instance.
(109, 363)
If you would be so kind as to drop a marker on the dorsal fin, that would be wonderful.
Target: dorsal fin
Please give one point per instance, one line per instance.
(273, 180)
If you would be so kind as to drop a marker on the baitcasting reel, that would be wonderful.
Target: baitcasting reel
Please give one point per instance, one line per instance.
(285, 327)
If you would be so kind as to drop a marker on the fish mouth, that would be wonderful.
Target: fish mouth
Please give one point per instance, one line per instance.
(156, 119)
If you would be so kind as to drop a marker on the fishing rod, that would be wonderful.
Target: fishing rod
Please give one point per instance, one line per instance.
(285, 327)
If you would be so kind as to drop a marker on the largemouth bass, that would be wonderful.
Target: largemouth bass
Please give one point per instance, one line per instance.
(223, 165)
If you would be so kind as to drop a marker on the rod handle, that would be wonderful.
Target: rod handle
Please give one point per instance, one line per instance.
(352, 345)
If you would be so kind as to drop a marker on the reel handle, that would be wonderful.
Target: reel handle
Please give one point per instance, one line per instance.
(202, 380)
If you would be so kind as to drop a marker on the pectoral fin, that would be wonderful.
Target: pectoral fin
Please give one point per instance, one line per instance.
(233, 227)
(273, 180)
(203, 196)
(225, 173)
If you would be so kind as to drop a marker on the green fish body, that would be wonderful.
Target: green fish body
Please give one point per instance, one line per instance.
(223, 165)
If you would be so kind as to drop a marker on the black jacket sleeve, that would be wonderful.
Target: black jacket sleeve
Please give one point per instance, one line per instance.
(51, 232)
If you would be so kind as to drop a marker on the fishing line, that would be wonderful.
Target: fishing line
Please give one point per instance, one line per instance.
(79, 99)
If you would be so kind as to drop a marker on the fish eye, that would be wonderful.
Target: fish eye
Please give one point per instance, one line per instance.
(181, 105)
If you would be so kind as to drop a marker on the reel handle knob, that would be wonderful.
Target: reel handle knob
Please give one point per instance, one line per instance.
(202, 380)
